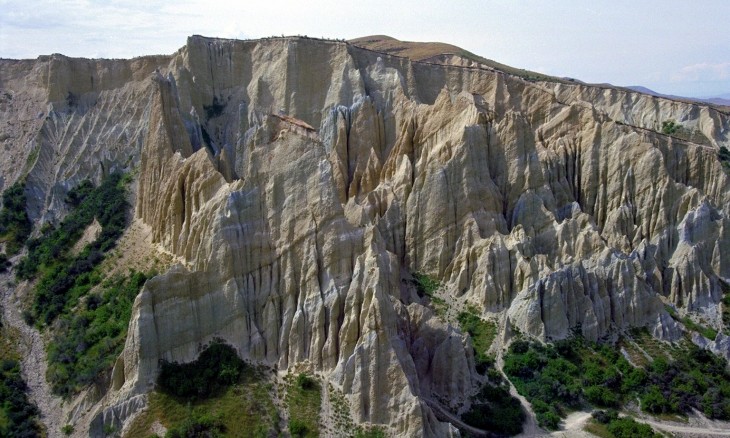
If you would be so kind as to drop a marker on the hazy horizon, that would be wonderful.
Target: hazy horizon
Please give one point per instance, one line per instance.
(669, 47)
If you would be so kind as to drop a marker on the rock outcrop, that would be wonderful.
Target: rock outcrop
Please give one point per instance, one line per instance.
(302, 182)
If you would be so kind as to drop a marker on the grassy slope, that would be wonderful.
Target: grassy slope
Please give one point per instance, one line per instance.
(246, 409)
(304, 402)
(421, 51)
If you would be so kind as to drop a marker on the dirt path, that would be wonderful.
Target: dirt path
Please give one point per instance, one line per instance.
(34, 364)
(573, 426)
(688, 431)
(529, 427)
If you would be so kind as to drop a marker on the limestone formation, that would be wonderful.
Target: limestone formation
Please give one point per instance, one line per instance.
(301, 183)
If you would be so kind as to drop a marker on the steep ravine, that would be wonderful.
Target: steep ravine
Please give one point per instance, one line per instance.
(301, 183)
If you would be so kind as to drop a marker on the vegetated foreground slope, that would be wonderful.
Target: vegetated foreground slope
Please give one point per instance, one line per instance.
(307, 187)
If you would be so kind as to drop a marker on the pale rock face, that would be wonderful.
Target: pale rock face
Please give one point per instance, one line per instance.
(720, 345)
(300, 183)
(72, 119)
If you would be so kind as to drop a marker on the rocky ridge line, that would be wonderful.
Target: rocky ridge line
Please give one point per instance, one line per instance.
(557, 205)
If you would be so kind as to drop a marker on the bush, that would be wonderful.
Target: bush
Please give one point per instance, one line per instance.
(65, 278)
(304, 399)
(4, 263)
(601, 396)
(549, 381)
(107, 203)
(305, 382)
(670, 127)
(425, 285)
(297, 428)
(550, 420)
(482, 334)
(20, 417)
(604, 417)
(519, 347)
(694, 380)
(198, 425)
(372, 432)
(217, 368)
(15, 226)
(495, 410)
(76, 196)
(569, 373)
(634, 379)
(628, 428)
(86, 344)
(723, 154)
(563, 376)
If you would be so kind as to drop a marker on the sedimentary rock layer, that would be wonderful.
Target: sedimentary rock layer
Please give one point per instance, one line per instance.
(302, 182)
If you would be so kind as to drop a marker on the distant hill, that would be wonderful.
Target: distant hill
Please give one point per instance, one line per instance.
(645, 90)
(723, 99)
(434, 51)
(719, 100)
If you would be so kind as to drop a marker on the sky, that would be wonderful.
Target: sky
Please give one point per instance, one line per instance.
(672, 47)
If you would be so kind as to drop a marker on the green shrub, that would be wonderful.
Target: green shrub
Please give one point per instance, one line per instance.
(304, 399)
(560, 377)
(670, 127)
(305, 382)
(625, 427)
(495, 410)
(555, 378)
(707, 332)
(549, 419)
(723, 154)
(519, 346)
(4, 263)
(203, 377)
(545, 378)
(297, 428)
(482, 334)
(15, 226)
(198, 425)
(628, 428)
(604, 417)
(696, 379)
(19, 416)
(78, 194)
(107, 203)
(425, 285)
(65, 278)
(87, 343)
(245, 409)
(600, 396)
(371, 432)
(634, 379)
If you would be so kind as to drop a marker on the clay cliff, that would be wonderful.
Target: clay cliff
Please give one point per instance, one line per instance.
(300, 184)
